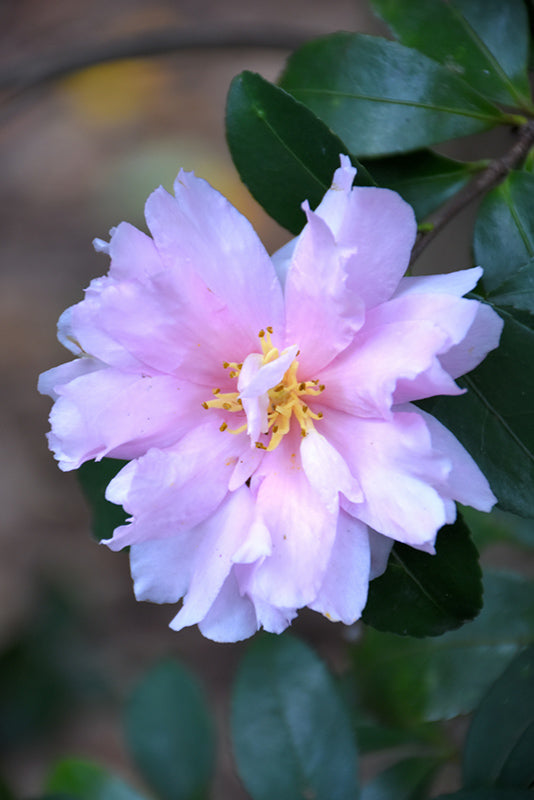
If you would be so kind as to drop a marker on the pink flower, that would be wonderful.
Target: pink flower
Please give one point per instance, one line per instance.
(274, 451)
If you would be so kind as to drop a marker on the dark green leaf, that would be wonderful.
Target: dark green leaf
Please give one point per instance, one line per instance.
(504, 233)
(380, 97)
(170, 734)
(408, 681)
(407, 780)
(94, 477)
(282, 151)
(494, 420)
(425, 595)
(86, 781)
(292, 738)
(487, 794)
(517, 292)
(424, 179)
(484, 41)
(499, 748)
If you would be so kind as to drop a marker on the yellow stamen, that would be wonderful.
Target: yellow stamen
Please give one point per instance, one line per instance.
(285, 399)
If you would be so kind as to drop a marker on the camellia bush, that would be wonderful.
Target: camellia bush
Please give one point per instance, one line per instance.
(328, 427)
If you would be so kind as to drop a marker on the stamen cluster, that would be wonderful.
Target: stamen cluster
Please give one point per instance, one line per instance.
(285, 399)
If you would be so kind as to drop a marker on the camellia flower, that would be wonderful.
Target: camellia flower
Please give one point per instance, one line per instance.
(264, 405)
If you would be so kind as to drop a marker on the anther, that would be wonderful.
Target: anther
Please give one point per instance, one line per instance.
(223, 427)
(270, 330)
(233, 374)
(227, 406)
(226, 364)
(302, 386)
(261, 334)
(205, 405)
(216, 391)
(260, 446)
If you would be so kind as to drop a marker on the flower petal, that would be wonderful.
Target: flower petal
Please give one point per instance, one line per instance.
(398, 470)
(170, 491)
(322, 313)
(302, 531)
(482, 337)
(343, 593)
(465, 483)
(231, 618)
(202, 231)
(327, 471)
(218, 538)
(108, 412)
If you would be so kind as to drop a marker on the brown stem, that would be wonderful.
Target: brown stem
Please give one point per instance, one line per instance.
(487, 179)
(30, 74)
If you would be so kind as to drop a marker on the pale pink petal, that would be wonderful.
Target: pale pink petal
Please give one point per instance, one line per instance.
(327, 471)
(397, 468)
(164, 326)
(343, 593)
(379, 227)
(54, 378)
(465, 483)
(218, 538)
(201, 231)
(133, 253)
(482, 337)
(262, 378)
(380, 549)
(231, 618)
(273, 619)
(456, 283)
(322, 313)
(161, 568)
(302, 531)
(281, 260)
(170, 491)
(333, 206)
(108, 412)
(362, 381)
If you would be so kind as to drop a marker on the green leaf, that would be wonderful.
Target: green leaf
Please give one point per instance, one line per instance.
(499, 747)
(282, 151)
(408, 681)
(487, 794)
(94, 477)
(494, 420)
(292, 738)
(170, 735)
(504, 234)
(484, 41)
(517, 292)
(424, 179)
(406, 780)
(380, 97)
(86, 781)
(425, 595)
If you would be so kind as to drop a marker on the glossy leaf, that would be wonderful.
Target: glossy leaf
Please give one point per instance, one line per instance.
(291, 735)
(94, 477)
(499, 748)
(484, 41)
(504, 235)
(494, 420)
(424, 179)
(282, 151)
(380, 97)
(170, 734)
(86, 781)
(517, 292)
(409, 681)
(425, 595)
(406, 780)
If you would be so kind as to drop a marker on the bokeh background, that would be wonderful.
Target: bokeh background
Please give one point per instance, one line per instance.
(78, 154)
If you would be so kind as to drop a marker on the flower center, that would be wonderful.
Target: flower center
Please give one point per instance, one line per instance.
(269, 412)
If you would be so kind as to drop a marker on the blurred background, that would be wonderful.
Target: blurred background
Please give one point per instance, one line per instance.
(78, 154)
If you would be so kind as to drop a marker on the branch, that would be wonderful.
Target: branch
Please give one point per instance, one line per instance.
(487, 179)
(30, 74)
